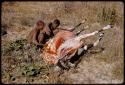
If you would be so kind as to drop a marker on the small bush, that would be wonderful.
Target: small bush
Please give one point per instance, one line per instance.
(33, 70)
(107, 16)
(18, 44)
(15, 45)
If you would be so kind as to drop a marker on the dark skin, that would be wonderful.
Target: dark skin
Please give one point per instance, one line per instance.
(53, 27)
(52, 30)
(41, 33)
(48, 31)
(33, 36)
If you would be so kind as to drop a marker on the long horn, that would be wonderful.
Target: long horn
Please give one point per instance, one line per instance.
(82, 30)
(93, 33)
(82, 22)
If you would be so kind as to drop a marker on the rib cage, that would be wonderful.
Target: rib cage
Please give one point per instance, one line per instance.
(59, 46)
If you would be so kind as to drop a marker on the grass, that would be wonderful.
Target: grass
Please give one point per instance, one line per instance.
(17, 57)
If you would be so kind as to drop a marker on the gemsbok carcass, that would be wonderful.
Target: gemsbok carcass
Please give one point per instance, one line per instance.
(66, 44)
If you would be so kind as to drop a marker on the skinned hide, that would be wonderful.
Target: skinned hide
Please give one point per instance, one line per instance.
(64, 45)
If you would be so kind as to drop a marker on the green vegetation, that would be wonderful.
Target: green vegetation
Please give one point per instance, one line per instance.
(108, 16)
(22, 63)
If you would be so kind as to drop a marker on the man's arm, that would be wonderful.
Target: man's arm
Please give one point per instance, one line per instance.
(35, 38)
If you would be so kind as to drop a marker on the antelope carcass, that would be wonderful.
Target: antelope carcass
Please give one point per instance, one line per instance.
(65, 44)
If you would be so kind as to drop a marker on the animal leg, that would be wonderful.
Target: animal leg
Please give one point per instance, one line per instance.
(63, 64)
(93, 33)
(100, 38)
(86, 47)
(72, 29)
(70, 64)
(80, 50)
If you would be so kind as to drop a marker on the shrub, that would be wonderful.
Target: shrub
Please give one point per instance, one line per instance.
(107, 16)
(18, 44)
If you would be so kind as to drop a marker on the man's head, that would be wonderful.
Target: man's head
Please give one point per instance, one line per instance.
(40, 24)
(54, 24)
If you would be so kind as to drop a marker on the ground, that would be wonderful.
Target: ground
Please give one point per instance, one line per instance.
(22, 64)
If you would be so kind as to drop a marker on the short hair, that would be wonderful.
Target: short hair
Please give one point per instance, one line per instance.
(40, 22)
(56, 21)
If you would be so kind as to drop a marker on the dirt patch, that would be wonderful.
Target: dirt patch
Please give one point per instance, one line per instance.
(21, 63)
